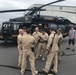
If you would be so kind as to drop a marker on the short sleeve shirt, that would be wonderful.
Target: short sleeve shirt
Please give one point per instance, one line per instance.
(72, 34)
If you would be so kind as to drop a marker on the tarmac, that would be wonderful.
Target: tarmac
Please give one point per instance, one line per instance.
(9, 60)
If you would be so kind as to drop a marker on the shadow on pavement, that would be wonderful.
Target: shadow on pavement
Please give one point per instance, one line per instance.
(15, 67)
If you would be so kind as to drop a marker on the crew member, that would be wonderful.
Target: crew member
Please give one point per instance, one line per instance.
(19, 41)
(24, 30)
(42, 44)
(59, 44)
(36, 35)
(52, 52)
(46, 29)
(28, 44)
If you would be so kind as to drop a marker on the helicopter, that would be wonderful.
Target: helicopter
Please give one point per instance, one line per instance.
(32, 19)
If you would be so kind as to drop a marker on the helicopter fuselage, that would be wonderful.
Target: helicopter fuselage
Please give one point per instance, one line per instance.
(9, 29)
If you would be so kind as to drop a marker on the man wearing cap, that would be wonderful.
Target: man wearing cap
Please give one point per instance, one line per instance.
(42, 44)
(28, 43)
(19, 41)
(52, 52)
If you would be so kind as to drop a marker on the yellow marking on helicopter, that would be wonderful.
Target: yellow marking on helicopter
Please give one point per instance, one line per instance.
(48, 18)
(15, 35)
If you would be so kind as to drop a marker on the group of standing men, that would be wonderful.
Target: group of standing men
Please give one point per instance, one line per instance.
(43, 44)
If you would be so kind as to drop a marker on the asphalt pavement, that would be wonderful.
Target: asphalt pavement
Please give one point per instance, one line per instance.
(9, 60)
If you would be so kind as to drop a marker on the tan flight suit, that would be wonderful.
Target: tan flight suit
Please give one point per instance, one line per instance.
(53, 52)
(28, 43)
(19, 41)
(59, 44)
(42, 45)
(36, 36)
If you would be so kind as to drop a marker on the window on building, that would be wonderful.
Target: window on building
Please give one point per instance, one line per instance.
(61, 7)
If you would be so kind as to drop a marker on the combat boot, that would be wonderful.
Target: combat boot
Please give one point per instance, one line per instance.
(36, 72)
(44, 70)
(55, 71)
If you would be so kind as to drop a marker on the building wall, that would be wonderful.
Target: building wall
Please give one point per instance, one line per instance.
(55, 10)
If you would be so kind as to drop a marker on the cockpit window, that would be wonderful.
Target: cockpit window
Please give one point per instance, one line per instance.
(15, 27)
(6, 25)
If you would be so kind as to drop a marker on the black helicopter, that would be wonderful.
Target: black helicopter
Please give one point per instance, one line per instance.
(9, 29)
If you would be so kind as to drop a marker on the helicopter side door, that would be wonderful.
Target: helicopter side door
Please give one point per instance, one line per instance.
(15, 31)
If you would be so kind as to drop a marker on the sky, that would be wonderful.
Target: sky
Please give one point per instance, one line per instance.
(23, 4)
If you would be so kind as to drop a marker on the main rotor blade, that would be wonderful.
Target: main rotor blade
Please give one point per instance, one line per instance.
(50, 3)
(20, 10)
(38, 9)
(45, 5)
(16, 10)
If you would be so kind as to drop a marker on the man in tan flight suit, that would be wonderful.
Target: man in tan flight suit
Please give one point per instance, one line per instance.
(28, 44)
(52, 52)
(59, 44)
(36, 35)
(42, 44)
(19, 41)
